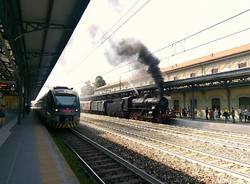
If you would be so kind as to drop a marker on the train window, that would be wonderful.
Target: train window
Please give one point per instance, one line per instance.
(66, 100)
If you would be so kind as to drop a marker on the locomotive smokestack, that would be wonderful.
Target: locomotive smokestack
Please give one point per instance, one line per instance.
(129, 48)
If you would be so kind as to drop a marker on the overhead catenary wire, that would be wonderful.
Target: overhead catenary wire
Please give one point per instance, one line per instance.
(181, 40)
(167, 46)
(118, 21)
(205, 29)
(206, 43)
(192, 48)
(200, 45)
(108, 37)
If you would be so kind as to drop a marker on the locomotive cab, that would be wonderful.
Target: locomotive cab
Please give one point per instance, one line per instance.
(60, 108)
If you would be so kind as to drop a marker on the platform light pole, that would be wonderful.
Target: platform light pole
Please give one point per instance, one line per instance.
(193, 103)
(20, 108)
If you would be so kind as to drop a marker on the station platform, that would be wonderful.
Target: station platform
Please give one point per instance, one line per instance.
(238, 127)
(28, 155)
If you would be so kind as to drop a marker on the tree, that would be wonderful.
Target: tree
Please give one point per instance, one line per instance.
(87, 89)
(99, 82)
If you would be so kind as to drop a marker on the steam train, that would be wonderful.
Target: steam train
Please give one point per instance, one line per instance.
(59, 108)
(147, 108)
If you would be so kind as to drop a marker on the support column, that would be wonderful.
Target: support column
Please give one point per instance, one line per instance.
(184, 100)
(20, 99)
(228, 95)
(192, 108)
(24, 94)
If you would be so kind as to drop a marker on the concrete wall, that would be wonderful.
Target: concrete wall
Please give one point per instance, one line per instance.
(206, 69)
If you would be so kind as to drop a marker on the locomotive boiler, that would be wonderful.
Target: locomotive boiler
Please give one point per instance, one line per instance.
(147, 108)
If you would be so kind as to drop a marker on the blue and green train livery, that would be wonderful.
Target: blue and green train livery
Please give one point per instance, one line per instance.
(59, 108)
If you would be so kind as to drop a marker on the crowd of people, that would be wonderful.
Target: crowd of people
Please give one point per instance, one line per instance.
(218, 114)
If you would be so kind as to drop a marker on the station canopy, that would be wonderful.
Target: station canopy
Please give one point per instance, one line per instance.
(33, 35)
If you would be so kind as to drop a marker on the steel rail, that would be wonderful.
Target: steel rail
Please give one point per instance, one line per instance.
(234, 144)
(223, 133)
(86, 166)
(183, 147)
(148, 178)
(198, 138)
(208, 165)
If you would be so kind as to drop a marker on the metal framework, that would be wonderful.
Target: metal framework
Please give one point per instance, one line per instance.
(36, 33)
(230, 79)
(29, 27)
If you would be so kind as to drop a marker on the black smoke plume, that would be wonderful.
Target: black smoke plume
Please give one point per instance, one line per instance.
(128, 48)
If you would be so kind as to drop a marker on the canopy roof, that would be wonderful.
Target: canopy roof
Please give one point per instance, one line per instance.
(33, 34)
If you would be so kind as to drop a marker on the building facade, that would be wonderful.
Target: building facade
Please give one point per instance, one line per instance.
(219, 90)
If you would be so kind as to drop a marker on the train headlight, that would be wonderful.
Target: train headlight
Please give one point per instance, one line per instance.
(56, 110)
(153, 107)
(77, 110)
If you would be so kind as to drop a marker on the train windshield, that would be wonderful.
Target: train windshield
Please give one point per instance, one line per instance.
(66, 100)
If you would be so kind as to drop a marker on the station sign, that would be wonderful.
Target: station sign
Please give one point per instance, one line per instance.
(7, 87)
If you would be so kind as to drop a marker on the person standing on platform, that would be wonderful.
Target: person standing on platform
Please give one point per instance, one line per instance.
(211, 114)
(226, 115)
(240, 114)
(233, 114)
(206, 111)
(2, 115)
(248, 115)
(245, 114)
(215, 114)
(219, 113)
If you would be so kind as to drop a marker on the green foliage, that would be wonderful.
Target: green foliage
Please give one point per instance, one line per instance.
(99, 82)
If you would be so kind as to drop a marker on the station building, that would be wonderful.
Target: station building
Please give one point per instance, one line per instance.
(220, 80)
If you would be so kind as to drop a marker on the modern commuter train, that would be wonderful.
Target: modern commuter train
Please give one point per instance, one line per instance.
(147, 108)
(59, 108)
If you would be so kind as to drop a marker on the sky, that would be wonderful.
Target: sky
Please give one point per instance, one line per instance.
(161, 25)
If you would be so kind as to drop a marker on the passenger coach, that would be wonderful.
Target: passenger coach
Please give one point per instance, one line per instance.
(59, 108)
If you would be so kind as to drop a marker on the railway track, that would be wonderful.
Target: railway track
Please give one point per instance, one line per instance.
(223, 165)
(240, 142)
(102, 164)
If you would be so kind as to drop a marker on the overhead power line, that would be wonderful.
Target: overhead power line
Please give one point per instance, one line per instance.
(205, 29)
(183, 39)
(169, 45)
(119, 20)
(200, 45)
(108, 37)
(209, 42)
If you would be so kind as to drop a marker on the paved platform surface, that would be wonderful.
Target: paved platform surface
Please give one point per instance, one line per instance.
(237, 127)
(29, 156)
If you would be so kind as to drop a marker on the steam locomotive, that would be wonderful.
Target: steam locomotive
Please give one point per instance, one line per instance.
(146, 108)
(59, 108)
